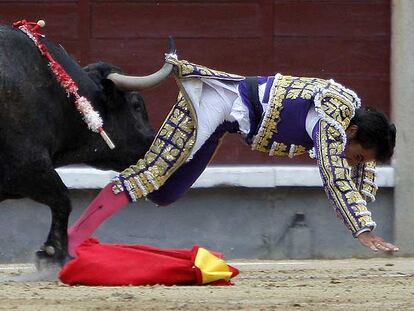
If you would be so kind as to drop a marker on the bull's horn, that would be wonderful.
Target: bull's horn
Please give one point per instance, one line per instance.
(171, 46)
(132, 83)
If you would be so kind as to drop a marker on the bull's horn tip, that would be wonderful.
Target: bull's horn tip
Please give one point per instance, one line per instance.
(171, 45)
(41, 23)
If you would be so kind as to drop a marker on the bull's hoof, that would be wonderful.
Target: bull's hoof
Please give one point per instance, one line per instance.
(44, 261)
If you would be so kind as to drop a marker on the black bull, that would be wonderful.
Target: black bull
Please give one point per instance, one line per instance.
(40, 128)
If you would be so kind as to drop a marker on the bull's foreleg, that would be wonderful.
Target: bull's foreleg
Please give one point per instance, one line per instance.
(55, 248)
(47, 188)
(57, 198)
(28, 172)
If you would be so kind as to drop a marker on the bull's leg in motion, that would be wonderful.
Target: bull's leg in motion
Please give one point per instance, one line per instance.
(46, 187)
(55, 248)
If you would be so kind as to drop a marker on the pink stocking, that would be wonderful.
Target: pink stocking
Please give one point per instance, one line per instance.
(102, 207)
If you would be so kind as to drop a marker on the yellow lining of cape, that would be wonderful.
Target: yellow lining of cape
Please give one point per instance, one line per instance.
(212, 268)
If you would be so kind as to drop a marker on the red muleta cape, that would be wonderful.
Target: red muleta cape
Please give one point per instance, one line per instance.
(115, 264)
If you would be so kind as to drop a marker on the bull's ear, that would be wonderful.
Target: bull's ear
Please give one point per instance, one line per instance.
(114, 97)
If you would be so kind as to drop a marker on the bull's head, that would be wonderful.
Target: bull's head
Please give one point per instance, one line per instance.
(124, 113)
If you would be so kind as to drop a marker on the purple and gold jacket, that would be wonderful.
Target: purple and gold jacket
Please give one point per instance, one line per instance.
(281, 132)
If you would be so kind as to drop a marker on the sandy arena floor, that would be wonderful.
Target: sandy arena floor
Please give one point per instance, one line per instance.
(374, 284)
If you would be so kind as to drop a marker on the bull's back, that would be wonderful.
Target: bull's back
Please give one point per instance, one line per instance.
(23, 77)
(32, 103)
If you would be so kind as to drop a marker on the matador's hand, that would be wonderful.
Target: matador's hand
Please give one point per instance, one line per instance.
(376, 243)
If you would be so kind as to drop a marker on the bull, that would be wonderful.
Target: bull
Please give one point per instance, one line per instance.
(40, 129)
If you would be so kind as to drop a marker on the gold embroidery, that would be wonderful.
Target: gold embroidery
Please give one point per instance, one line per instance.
(293, 94)
(342, 185)
(369, 180)
(337, 180)
(285, 87)
(336, 103)
(299, 150)
(366, 221)
(162, 166)
(360, 208)
(337, 108)
(167, 131)
(171, 147)
(187, 69)
(340, 172)
(269, 124)
(307, 93)
(281, 150)
(353, 196)
(278, 149)
(363, 175)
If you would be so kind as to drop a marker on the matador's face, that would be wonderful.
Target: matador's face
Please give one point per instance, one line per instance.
(354, 152)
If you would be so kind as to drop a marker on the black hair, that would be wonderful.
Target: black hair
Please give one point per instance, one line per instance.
(375, 131)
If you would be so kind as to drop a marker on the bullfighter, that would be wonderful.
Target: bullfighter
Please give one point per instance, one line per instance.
(281, 115)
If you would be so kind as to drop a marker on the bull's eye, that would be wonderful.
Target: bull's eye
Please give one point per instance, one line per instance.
(137, 106)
